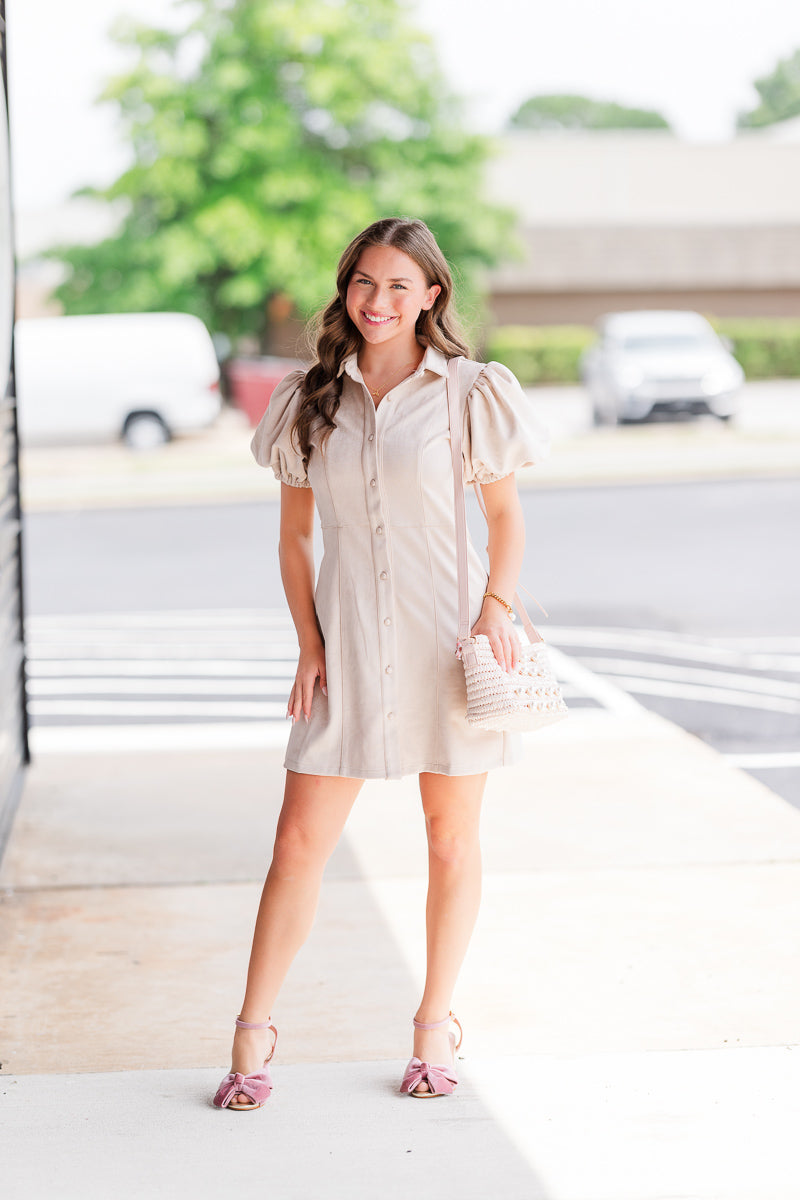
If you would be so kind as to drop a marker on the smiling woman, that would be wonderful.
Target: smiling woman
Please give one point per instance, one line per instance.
(364, 435)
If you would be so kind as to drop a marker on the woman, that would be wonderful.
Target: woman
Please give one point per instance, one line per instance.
(379, 692)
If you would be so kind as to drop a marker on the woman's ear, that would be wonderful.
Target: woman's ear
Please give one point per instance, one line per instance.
(430, 296)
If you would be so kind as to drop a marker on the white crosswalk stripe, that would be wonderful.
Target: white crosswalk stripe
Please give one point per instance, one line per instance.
(757, 675)
(223, 676)
(115, 679)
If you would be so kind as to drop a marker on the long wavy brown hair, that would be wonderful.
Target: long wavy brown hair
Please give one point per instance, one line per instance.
(336, 336)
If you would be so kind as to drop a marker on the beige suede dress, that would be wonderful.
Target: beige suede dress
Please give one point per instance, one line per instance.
(386, 593)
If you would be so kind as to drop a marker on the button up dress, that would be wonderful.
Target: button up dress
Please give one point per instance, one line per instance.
(386, 594)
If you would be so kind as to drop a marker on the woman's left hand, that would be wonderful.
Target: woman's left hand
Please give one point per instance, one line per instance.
(502, 638)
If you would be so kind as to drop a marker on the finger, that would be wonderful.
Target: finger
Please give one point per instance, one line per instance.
(307, 696)
(323, 682)
(499, 650)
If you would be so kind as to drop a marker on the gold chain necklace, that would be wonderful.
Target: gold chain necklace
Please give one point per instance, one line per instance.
(376, 392)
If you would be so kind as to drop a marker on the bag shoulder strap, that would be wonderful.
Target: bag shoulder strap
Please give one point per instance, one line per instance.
(455, 374)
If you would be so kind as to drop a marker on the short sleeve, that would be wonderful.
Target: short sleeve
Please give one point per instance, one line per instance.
(272, 443)
(502, 429)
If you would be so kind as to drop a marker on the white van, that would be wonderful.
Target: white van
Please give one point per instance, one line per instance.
(141, 377)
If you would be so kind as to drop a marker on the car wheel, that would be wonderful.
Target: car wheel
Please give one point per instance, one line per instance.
(144, 431)
(604, 416)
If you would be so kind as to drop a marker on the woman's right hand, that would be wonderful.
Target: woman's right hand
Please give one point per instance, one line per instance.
(310, 667)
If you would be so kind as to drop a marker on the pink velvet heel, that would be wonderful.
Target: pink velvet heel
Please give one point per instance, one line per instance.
(441, 1080)
(256, 1087)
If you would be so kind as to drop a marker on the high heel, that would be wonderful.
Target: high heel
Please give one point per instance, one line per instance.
(256, 1087)
(441, 1079)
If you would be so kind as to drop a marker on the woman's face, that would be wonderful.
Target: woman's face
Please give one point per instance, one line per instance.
(386, 293)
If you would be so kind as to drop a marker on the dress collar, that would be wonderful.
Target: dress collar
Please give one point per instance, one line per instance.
(432, 360)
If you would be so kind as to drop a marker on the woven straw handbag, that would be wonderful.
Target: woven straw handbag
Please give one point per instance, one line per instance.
(521, 700)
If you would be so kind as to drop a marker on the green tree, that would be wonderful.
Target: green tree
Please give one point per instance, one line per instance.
(264, 135)
(780, 95)
(558, 111)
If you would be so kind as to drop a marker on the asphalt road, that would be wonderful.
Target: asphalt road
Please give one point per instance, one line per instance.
(686, 595)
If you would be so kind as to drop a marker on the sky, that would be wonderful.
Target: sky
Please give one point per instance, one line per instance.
(693, 60)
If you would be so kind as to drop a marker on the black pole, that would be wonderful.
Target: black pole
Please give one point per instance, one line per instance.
(12, 391)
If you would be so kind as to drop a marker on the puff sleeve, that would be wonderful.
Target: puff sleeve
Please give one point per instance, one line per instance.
(272, 445)
(502, 430)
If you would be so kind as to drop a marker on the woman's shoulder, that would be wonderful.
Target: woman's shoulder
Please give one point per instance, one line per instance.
(289, 388)
(273, 444)
(503, 429)
(489, 379)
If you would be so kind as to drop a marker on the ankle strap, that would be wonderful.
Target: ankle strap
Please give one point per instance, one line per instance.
(253, 1025)
(433, 1024)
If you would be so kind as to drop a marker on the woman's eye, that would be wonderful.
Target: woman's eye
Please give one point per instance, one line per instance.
(399, 285)
(362, 281)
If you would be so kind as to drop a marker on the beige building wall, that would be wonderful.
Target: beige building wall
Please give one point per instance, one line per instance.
(640, 219)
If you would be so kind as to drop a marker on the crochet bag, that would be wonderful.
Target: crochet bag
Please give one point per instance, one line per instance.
(520, 700)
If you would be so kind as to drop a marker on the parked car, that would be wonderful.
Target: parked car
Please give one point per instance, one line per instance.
(251, 382)
(659, 361)
(142, 377)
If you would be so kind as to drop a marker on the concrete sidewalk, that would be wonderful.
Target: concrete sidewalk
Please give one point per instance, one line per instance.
(630, 998)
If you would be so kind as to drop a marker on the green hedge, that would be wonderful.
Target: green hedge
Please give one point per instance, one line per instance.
(767, 348)
(540, 353)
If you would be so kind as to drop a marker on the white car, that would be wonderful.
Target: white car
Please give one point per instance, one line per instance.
(659, 361)
(142, 377)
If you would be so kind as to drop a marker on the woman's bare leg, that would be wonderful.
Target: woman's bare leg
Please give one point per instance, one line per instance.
(452, 806)
(314, 811)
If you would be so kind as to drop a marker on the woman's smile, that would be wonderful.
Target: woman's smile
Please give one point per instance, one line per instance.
(376, 319)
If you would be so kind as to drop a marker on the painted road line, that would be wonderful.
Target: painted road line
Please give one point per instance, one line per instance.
(763, 761)
(609, 695)
(113, 686)
(747, 683)
(175, 617)
(743, 652)
(712, 695)
(227, 668)
(114, 739)
(108, 708)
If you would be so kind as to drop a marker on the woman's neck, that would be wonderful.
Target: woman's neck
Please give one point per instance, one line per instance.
(386, 360)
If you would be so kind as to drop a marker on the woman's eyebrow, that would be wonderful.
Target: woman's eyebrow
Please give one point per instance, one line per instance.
(397, 278)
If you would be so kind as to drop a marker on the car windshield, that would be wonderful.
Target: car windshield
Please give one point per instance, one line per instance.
(669, 342)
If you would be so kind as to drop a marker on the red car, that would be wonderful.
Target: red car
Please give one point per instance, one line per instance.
(251, 382)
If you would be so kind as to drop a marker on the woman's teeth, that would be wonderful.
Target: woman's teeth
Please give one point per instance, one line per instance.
(377, 320)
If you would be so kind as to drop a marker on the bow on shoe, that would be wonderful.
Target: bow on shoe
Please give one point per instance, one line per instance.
(440, 1079)
(256, 1087)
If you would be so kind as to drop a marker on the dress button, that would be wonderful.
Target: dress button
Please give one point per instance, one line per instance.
(372, 482)
(388, 670)
(387, 620)
(379, 529)
(390, 716)
(384, 575)
(371, 437)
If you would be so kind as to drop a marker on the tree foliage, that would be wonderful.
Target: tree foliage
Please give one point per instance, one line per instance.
(780, 95)
(564, 111)
(264, 136)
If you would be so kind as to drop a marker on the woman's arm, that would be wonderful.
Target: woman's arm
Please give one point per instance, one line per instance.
(296, 554)
(506, 550)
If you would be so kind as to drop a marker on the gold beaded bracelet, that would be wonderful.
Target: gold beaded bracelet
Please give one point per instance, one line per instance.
(509, 610)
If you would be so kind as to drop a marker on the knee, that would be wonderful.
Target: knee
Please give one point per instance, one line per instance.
(295, 852)
(450, 844)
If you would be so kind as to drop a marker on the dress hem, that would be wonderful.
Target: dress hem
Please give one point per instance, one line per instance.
(427, 768)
